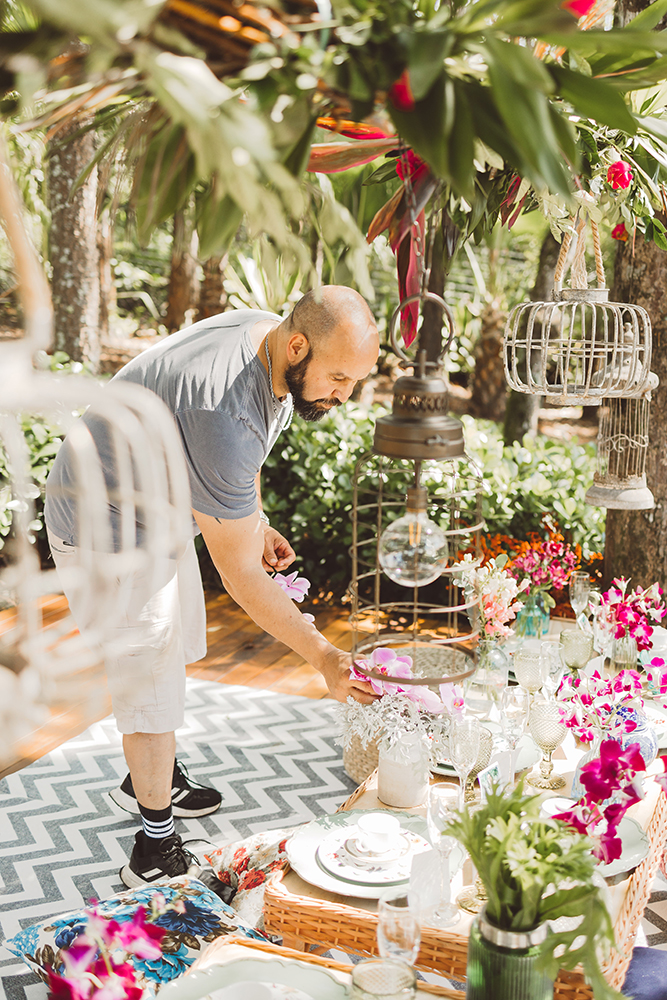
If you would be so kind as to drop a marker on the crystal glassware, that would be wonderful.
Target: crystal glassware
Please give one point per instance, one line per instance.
(464, 737)
(382, 979)
(548, 730)
(554, 667)
(529, 670)
(513, 711)
(398, 930)
(442, 801)
(580, 587)
(576, 648)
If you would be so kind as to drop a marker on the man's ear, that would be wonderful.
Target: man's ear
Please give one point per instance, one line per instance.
(298, 347)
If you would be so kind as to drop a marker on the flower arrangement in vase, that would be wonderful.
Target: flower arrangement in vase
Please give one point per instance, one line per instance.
(494, 588)
(544, 566)
(624, 620)
(594, 706)
(534, 869)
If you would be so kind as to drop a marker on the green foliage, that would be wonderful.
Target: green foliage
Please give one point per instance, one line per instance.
(307, 487)
(536, 869)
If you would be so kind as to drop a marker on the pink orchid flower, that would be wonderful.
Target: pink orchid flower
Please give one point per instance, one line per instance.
(140, 938)
(295, 586)
(424, 698)
(384, 661)
(452, 698)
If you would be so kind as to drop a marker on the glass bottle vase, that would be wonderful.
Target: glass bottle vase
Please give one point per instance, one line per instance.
(624, 654)
(533, 618)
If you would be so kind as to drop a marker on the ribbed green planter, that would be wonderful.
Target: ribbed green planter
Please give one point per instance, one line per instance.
(501, 964)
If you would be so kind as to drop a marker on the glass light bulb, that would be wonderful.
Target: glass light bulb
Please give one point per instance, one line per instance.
(413, 550)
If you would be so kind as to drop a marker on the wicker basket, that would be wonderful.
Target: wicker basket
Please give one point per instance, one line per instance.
(360, 761)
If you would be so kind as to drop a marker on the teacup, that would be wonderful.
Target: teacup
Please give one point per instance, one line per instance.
(378, 833)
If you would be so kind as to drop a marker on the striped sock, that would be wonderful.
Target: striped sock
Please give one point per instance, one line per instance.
(157, 823)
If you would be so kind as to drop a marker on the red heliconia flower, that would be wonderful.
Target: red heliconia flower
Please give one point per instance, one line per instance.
(619, 232)
(619, 175)
(400, 93)
(578, 7)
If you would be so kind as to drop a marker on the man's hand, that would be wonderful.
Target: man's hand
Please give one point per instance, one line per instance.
(278, 553)
(335, 668)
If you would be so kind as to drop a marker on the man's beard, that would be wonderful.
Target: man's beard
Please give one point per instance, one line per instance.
(308, 409)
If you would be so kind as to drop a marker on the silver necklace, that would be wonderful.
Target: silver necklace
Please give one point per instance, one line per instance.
(276, 408)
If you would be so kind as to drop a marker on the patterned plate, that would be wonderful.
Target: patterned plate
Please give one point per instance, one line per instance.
(334, 857)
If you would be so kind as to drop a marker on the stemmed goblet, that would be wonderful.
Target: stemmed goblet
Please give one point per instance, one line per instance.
(398, 929)
(513, 719)
(464, 737)
(554, 668)
(442, 800)
(576, 648)
(548, 730)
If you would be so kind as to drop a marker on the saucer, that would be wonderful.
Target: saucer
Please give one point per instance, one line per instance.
(389, 868)
(358, 856)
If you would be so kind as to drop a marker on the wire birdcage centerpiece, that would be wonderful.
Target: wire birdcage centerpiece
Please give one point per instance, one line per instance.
(579, 348)
(416, 507)
(622, 446)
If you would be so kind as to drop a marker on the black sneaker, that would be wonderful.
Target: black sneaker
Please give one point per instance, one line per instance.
(168, 859)
(188, 797)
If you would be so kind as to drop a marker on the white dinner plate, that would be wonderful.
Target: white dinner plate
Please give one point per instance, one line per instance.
(634, 842)
(301, 849)
(272, 973)
(334, 857)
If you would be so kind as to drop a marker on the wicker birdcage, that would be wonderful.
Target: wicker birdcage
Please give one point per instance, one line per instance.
(579, 348)
(418, 442)
(623, 437)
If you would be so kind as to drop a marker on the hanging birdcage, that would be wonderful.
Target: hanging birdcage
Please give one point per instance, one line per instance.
(622, 445)
(59, 666)
(579, 348)
(416, 509)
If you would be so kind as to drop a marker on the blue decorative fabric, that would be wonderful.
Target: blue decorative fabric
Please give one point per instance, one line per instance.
(206, 917)
(646, 978)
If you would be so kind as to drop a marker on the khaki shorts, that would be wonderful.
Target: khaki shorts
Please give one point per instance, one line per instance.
(148, 623)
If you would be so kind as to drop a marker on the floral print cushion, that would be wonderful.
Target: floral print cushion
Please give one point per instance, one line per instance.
(245, 865)
(204, 918)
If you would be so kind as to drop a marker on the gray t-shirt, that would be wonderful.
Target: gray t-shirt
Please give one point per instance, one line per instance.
(213, 382)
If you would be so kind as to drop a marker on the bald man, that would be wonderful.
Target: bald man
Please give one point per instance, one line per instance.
(232, 383)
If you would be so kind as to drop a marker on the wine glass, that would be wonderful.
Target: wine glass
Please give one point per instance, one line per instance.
(580, 588)
(513, 719)
(464, 737)
(398, 930)
(548, 730)
(576, 648)
(529, 670)
(554, 668)
(442, 801)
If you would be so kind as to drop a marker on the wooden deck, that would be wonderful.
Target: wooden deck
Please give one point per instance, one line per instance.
(239, 652)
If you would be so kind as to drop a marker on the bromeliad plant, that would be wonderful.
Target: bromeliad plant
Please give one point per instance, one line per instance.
(537, 869)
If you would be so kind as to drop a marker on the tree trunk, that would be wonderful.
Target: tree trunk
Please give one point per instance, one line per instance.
(522, 407)
(73, 249)
(182, 294)
(489, 388)
(212, 295)
(636, 541)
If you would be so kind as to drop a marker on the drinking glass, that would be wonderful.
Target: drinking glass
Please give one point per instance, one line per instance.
(464, 737)
(548, 730)
(576, 648)
(442, 801)
(398, 930)
(554, 668)
(580, 588)
(529, 670)
(383, 979)
(513, 709)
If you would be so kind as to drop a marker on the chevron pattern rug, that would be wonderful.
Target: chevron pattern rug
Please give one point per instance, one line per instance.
(63, 841)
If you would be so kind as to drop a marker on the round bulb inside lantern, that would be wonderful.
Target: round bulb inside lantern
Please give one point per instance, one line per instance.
(413, 550)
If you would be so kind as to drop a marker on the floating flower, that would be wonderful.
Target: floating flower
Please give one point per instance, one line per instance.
(619, 175)
(295, 586)
(619, 232)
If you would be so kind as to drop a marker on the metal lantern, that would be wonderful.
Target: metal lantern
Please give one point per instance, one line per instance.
(416, 445)
(623, 436)
(580, 348)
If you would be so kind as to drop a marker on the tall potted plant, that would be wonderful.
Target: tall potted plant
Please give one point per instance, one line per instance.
(534, 870)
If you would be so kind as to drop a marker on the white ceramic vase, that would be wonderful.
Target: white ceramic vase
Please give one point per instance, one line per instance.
(403, 771)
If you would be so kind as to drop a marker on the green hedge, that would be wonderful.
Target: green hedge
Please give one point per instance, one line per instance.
(307, 488)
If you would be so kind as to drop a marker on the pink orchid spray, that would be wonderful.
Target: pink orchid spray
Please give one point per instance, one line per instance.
(295, 586)
(495, 590)
(611, 782)
(96, 966)
(386, 661)
(631, 614)
(599, 705)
